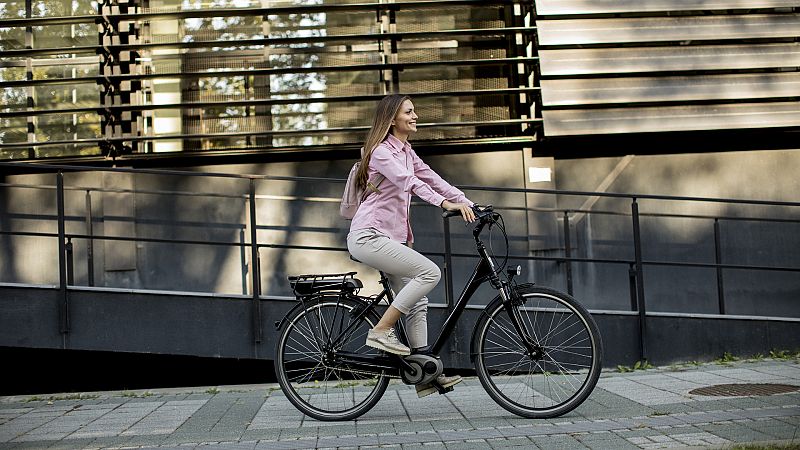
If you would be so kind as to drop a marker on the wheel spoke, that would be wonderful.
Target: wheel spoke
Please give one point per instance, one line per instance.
(553, 376)
(314, 377)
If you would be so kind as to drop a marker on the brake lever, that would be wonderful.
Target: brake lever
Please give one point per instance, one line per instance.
(481, 212)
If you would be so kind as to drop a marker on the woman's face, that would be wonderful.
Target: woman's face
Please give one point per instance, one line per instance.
(405, 122)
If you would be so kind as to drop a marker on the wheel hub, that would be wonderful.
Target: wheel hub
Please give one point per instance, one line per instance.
(537, 353)
(329, 357)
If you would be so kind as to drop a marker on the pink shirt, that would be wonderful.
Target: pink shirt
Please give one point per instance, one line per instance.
(387, 210)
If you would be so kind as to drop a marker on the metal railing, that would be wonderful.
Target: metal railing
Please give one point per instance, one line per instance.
(252, 245)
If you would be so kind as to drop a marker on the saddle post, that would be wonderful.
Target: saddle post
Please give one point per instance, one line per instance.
(386, 286)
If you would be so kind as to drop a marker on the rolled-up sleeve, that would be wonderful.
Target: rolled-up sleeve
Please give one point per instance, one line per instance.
(391, 166)
(437, 183)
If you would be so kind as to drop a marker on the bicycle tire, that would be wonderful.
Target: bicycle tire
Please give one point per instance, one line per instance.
(552, 381)
(309, 374)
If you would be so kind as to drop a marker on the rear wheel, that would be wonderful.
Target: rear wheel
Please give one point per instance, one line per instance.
(311, 365)
(552, 375)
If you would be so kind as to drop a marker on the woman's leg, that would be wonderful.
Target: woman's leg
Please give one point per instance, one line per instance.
(417, 318)
(388, 319)
(398, 260)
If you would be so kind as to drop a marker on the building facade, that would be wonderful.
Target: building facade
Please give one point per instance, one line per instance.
(624, 141)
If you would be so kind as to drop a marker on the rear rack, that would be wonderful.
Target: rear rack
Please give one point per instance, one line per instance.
(303, 285)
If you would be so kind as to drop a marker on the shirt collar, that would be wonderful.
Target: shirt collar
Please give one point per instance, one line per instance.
(397, 143)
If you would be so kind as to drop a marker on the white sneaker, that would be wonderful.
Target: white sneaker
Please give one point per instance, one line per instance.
(387, 341)
(446, 382)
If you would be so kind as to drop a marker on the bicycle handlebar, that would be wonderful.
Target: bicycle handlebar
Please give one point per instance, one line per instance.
(480, 212)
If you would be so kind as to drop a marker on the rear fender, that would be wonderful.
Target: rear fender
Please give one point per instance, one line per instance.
(300, 305)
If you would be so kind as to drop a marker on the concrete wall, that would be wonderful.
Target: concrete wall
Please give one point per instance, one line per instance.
(762, 175)
(216, 210)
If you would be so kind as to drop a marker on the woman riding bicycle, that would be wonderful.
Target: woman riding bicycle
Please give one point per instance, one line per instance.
(380, 233)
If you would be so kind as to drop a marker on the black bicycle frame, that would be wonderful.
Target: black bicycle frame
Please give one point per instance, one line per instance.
(484, 271)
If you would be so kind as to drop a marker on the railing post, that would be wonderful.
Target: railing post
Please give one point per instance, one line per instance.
(568, 252)
(640, 303)
(448, 264)
(632, 285)
(718, 259)
(62, 256)
(90, 240)
(70, 263)
(255, 269)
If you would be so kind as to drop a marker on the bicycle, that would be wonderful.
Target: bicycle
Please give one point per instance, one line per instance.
(537, 351)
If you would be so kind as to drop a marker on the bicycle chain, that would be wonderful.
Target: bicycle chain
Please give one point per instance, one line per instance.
(362, 372)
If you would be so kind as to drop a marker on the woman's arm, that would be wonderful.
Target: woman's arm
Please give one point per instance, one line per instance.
(390, 165)
(455, 199)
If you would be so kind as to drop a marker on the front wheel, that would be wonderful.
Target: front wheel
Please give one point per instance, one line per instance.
(557, 369)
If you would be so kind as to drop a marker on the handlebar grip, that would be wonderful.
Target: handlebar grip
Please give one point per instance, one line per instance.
(479, 211)
(447, 214)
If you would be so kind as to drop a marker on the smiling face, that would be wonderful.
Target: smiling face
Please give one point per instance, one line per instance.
(405, 122)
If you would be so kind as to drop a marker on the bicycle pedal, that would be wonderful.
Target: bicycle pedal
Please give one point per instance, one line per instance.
(442, 390)
(445, 390)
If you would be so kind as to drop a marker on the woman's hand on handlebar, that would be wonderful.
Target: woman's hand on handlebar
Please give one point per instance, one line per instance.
(464, 208)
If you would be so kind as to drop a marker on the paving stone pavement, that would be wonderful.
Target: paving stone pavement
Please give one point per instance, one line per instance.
(635, 410)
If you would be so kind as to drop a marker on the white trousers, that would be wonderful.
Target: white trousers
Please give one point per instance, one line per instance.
(411, 275)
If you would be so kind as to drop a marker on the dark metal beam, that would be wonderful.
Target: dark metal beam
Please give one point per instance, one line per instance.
(348, 38)
(262, 133)
(239, 12)
(266, 101)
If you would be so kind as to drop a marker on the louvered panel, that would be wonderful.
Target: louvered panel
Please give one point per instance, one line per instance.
(672, 118)
(661, 89)
(569, 7)
(658, 59)
(666, 29)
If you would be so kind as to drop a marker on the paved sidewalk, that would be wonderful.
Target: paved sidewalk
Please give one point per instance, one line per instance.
(641, 409)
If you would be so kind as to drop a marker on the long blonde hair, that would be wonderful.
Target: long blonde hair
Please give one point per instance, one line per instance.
(385, 112)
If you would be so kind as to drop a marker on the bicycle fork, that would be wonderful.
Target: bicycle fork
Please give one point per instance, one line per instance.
(510, 300)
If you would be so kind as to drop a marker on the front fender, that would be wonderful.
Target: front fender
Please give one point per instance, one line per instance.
(495, 303)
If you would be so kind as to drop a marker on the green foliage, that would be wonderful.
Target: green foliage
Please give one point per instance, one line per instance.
(54, 398)
(784, 354)
(726, 359)
(129, 394)
(789, 446)
(212, 391)
(638, 365)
